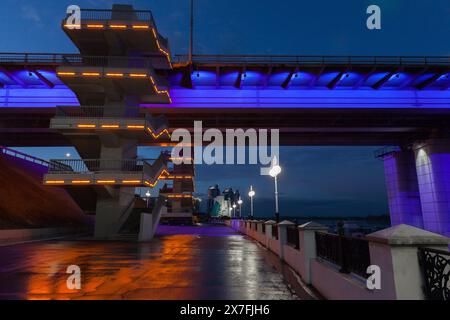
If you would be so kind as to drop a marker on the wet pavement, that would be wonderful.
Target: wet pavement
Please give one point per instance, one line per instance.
(212, 262)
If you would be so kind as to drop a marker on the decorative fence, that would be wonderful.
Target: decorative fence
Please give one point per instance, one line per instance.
(435, 266)
(275, 231)
(293, 237)
(351, 254)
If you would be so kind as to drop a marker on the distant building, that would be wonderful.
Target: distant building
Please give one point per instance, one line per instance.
(222, 205)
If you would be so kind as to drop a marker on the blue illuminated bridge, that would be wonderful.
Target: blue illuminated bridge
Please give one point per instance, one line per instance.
(313, 100)
(125, 89)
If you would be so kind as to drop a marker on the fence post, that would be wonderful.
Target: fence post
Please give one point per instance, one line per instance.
(342, 256)
(307, 240)
(282, 235)
(269, 225)
(395, 251)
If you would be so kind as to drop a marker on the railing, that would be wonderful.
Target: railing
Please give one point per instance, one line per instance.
(59, 58)
(97, 165)
(108, 61)
(435, 265)
(117, 15)
(351, 254)
(66, 112)
(263, 228)
(23, 156)
(317, 60)
(275, 231)
(78, 60)
(293, 236)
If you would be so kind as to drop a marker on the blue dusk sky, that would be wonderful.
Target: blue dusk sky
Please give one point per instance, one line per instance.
(315, 180)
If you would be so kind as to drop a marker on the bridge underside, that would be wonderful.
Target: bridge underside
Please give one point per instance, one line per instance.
(21, 127)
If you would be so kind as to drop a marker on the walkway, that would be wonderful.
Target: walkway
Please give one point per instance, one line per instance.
(210, 262)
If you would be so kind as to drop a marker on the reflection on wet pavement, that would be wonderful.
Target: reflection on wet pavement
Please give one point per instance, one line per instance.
(213, 263)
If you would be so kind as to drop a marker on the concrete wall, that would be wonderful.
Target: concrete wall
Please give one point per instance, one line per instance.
(26, 202)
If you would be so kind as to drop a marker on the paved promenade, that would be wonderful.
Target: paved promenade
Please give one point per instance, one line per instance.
(211, 262)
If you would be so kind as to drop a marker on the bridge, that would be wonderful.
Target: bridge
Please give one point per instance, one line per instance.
(125, 89)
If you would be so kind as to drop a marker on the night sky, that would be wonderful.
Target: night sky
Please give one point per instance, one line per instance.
(314, 181)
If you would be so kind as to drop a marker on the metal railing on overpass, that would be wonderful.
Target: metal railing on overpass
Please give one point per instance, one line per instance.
(59, 59)
(23, 156)
(317, 60)
(97, 165)
(117, 15)
(68, 112)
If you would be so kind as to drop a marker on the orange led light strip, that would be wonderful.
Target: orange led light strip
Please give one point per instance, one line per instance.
(156, 136)
(95, 26)
(151, 184)
(86, 126)
(81, 181)
(135, 127)
(138, 75)
(66, 73)
(159, 46)
(114, 74)
(141, 27)
(117, 26)
(106, 181)
(54, 182)
(155, 87)
(110, 126)
(131, 181)
(91, 74)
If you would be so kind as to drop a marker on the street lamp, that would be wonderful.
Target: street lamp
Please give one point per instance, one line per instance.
(275, 170)
(240, 208)
(251, 194)
(234, 210)
(231, 209)
(148, 195)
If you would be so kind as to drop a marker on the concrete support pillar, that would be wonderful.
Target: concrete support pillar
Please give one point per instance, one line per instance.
(402, 188)
(282, 235)
(307, 239)
(433, 173)
(395, 252)
(110, 209)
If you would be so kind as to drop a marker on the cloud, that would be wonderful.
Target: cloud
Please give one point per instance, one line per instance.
(30, 13)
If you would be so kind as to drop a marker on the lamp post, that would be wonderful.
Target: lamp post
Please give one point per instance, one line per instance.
(275, 170)
(148, 195)
(240, 208)
(251, 194)
(234, 210)
(231, 209)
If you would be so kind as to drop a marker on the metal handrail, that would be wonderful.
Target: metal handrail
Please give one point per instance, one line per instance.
(318, 60)
(59, 58)
(97, 165)
(23, 156)
(116, 15)
(95, 112)
(62, 59)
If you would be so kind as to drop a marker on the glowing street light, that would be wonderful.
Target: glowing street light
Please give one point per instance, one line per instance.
(251, 194)
(148, 195)
(234, 210)
(275, 170)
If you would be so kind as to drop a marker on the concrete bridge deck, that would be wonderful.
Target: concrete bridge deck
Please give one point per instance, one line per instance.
(211, 262)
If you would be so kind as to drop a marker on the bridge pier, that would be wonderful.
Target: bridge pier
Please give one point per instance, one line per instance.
(403, 188)
(433, 174)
